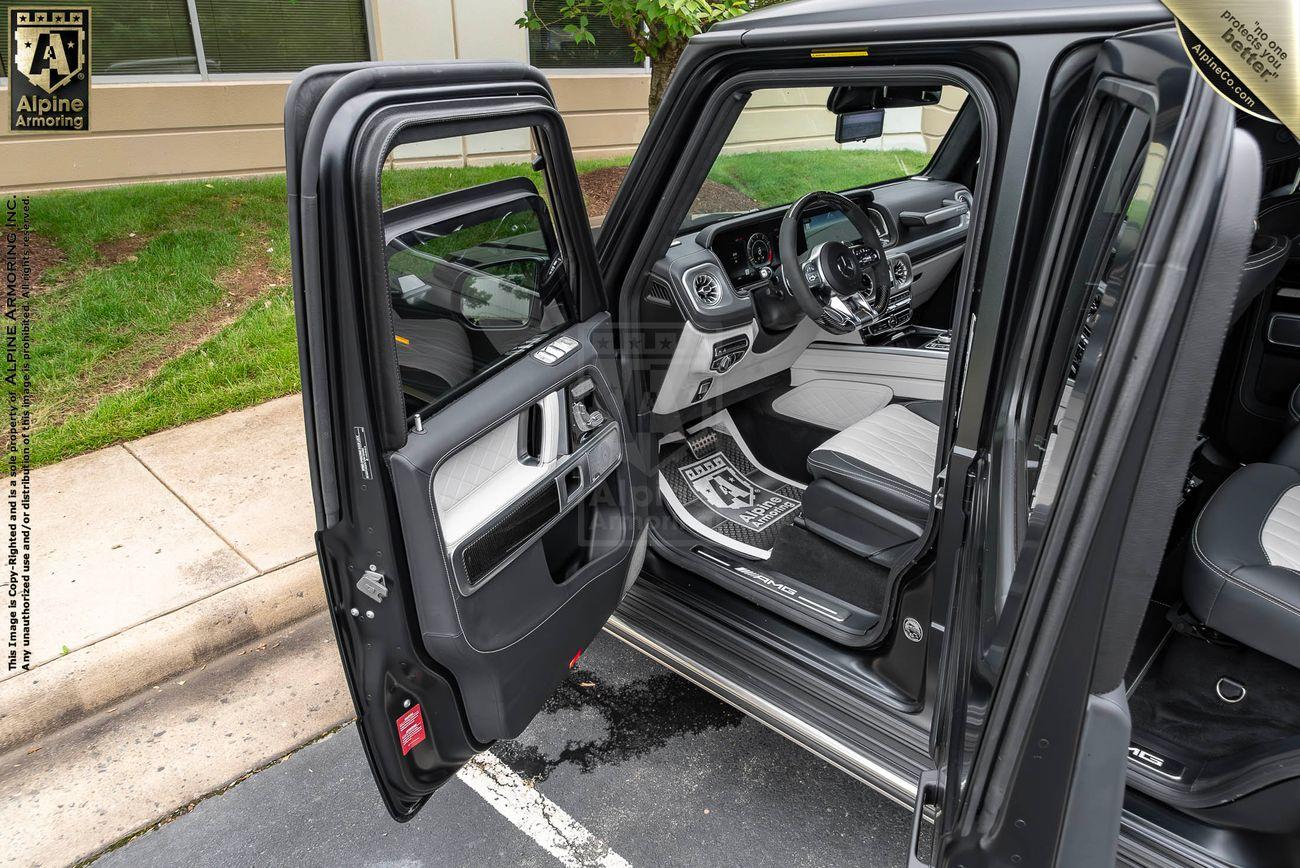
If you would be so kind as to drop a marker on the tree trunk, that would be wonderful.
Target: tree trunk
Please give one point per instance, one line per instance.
(661, 72)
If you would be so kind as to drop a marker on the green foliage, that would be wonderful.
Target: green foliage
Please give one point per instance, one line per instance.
(654, 28)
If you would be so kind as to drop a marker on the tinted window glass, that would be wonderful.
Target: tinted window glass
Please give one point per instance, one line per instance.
(1123, 171)
(783, 145)
(474, 278)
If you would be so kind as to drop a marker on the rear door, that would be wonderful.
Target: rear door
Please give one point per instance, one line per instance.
(465, 426)
(1067, 514)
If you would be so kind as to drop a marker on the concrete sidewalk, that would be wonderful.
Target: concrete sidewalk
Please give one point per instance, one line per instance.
(156, 555)
(179, 637)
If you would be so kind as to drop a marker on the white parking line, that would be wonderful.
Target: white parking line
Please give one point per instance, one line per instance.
(549, 825)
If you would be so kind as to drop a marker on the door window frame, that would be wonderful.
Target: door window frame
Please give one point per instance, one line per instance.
(409, 123)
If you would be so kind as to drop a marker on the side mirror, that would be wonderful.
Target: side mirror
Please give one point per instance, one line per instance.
(502, 295)
(487, 253)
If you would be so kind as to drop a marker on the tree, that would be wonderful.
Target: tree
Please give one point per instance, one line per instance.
(656, 29)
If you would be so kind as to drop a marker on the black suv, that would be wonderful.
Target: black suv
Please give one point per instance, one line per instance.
(952, 436)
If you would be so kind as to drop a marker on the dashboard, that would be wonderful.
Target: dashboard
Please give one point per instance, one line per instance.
(739, 323)
(746, 250)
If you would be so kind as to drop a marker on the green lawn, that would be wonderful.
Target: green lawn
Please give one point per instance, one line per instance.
(778, 177)
(172, 302)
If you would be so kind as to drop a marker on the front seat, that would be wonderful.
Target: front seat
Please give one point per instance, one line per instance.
(873, 482)
(1242, 576)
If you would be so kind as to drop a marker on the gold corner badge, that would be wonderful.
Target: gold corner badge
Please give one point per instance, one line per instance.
(49, 85)
(1246, 50)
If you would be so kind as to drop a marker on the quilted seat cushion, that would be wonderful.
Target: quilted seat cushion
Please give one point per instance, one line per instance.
(1242, 574)
(887, 457)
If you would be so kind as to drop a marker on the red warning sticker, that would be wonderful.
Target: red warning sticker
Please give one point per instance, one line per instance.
(410, 728)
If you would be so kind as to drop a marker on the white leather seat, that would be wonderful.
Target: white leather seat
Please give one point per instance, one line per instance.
(887, 457)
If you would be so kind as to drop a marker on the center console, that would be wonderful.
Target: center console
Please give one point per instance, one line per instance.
(911, 337)
(898, 308)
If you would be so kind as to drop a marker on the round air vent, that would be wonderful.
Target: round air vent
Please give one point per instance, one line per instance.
(902, 271)
(707, 289)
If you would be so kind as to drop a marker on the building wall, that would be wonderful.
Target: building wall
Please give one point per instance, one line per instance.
(180, 129)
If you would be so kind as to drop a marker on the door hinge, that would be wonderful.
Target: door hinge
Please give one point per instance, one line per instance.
(372, 585)
(941, 478)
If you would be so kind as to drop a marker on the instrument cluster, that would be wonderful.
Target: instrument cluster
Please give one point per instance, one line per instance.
(748, 254)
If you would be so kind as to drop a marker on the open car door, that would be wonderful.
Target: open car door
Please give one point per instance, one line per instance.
(1096, 416)
(465, 426)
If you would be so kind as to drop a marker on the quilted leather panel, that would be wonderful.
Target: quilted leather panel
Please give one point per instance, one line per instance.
(1281, 533)
(893, 440)
(834, 404)
(476, 465)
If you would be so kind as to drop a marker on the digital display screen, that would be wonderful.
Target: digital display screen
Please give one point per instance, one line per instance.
(860, 126)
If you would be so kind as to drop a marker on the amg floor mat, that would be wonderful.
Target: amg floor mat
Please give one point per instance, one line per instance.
(1177, 699)
(803, 555)
(716, 491)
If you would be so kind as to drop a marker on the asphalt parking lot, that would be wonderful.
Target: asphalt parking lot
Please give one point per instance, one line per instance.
(631, 765)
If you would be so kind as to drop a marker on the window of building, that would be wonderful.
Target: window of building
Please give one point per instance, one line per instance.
(552, 47)
(244, 36)
(141, 37)
(160, 38)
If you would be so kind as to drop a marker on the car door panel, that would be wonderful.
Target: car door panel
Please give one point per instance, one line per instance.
(473, 496)
(476, 510)
(1153, 222)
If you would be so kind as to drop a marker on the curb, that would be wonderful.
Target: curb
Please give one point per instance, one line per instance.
(68, 689)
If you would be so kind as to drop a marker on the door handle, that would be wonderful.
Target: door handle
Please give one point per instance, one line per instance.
(929, 786)
(938, 215)
(586, 421)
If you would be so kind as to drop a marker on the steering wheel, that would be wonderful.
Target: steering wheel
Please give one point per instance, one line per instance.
(842, 286)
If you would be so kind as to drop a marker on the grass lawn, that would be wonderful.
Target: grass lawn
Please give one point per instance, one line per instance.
(779, 177)
(167, 303)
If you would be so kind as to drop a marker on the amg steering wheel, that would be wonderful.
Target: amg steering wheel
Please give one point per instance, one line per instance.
(841, 285)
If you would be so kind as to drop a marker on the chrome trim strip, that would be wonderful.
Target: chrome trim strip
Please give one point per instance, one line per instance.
(897, 351)
(898, 788)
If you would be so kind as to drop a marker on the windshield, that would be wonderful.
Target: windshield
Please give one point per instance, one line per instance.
(783, 146)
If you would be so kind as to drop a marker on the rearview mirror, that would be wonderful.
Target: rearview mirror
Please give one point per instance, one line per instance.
(843, 100)
(859, 126)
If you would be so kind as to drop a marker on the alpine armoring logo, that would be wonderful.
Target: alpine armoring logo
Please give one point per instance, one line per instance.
(49, 84)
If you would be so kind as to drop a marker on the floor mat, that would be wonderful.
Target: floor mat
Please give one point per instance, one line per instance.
(803, 555)
(1176, 699)
(713, 487)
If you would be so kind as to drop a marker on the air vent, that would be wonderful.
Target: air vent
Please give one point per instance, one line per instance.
(966, 197)
(706, 288)
(657, 293)
(881, 226)
(902, 270)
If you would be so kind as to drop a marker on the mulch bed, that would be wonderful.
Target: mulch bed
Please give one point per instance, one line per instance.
(600, 185)
(43, 255)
